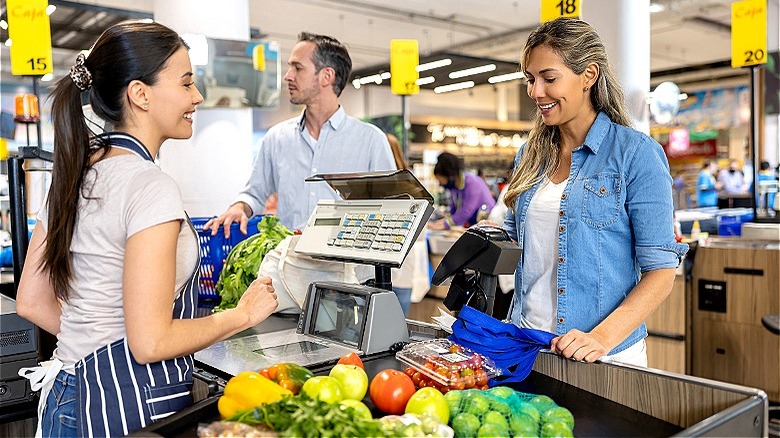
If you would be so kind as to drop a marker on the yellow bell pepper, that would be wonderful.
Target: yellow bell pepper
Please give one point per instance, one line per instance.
(248, 390)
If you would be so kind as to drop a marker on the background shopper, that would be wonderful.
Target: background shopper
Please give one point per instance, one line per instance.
(469, 194)
(590, 204)
(706, 185)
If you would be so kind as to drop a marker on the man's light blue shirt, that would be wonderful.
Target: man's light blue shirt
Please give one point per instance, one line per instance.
(289, 155)
(615, 223)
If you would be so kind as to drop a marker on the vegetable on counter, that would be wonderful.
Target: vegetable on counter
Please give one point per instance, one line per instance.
(302, 416)
(288, 375)
(243, 262)
(248, 390)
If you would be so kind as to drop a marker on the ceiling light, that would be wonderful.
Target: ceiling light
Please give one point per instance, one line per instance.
(506, 77)
(453, 87)
(50, 9)
(377, 78)
(472, 71)
(656, 7)
(424, 81)
(3, 25)
(682, 96)
(434, 64)
(99, 16)
(8, 42)
(47, 77)
(67, 37)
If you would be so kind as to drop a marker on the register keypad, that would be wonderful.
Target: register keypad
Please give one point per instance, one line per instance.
(383, 232)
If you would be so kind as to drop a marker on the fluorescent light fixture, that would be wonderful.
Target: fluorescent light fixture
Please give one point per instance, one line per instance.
(99, 16)
(472, 71)
(506, 77)
(47, 77)
(424, 81)
(454, 87)
(377, 78)
(67, 37)
(4, 24)
(656, 7)
(50, 9)
(682, 96)
(8, 42)
(199, 48)
(434, 64)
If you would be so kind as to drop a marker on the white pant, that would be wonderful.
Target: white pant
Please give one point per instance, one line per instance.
(633, 355)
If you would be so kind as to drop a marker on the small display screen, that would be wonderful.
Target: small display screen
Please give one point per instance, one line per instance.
(340, 316)
(293, 349)
(327, 221)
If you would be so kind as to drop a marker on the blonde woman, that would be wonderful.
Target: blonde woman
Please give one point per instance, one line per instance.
(590, 203)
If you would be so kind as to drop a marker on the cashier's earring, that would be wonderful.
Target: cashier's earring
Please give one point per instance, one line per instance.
(585, 89)
(146, 106)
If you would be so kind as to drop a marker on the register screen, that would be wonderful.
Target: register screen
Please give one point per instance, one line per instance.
(340, 316)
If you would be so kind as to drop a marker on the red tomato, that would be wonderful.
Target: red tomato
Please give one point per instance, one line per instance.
(352, 359)
(390, 390)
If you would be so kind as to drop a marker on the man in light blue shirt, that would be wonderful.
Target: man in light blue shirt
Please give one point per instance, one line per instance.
(323, 139)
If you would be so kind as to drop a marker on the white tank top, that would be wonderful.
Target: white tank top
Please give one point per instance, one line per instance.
(540, 254)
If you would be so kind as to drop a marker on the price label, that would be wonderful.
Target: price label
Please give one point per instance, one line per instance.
(748, 33)
(552, 9)
(30, 33)
(404, 59)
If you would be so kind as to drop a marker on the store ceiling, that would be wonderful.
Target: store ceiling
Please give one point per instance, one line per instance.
(687, 33)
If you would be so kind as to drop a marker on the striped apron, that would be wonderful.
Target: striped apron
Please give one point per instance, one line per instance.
(116, 394)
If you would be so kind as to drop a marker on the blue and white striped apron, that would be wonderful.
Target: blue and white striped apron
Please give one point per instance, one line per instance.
(116, 394)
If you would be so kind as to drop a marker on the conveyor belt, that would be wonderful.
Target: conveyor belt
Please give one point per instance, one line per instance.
(594, 415)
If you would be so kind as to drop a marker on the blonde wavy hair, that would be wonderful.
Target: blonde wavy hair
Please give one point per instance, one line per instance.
(578, 45)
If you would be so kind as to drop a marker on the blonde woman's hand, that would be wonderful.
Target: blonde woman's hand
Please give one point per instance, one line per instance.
(579, 346)
(259, 301)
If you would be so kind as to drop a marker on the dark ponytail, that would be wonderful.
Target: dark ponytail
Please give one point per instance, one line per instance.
(124, 52)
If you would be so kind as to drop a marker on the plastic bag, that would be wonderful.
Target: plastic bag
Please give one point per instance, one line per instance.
(291, 273)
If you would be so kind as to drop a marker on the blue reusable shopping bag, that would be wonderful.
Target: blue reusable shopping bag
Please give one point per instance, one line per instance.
(513, 349)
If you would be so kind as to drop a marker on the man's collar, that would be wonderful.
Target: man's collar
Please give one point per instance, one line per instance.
(335, 121)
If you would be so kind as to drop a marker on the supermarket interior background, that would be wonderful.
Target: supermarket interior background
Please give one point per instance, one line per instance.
(688, 43)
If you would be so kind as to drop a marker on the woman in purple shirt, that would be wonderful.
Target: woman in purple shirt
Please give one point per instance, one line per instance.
(468, 193)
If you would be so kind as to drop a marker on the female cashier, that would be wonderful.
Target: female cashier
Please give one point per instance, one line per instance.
(112, 264)
(590, 203)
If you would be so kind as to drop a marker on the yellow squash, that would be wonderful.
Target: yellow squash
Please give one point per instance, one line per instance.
(248, 390)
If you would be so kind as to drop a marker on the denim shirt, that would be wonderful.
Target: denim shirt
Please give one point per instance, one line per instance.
(615, 223)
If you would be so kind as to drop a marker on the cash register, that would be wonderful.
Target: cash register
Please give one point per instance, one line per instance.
(376, 221)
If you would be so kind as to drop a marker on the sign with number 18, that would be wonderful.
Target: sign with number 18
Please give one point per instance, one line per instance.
(552, 9)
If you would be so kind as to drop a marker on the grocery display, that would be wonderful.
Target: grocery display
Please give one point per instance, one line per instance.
(446, 366)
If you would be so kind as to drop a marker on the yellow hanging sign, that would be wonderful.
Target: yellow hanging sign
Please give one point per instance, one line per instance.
(404, 59)
(30, 34)
(748, 33)
(258, 57)
(552, 9)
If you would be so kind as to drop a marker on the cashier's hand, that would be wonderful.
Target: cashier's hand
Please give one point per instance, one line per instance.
(579, 346)
(238, 212)
(259, 301)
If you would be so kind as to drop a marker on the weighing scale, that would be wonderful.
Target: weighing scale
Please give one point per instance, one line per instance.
(376, 222)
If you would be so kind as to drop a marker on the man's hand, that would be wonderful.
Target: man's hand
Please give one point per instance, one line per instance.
(579, 346)
(238, 212)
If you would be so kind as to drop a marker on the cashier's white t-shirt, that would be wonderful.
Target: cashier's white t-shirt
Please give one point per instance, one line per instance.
(129, 195)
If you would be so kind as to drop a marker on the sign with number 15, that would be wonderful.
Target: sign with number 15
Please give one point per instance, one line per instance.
(552, 9)
(30, 33)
